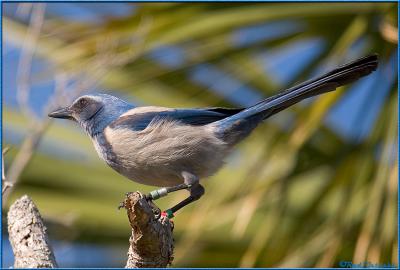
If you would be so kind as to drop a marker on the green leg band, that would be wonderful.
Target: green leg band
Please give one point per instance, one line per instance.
(169, 213)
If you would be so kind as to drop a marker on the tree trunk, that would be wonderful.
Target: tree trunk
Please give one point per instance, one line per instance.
(28, 236)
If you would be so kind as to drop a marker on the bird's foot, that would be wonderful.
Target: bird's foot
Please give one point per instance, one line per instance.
(154, 208)
(156, 211)
(122, 204)
(162, 192)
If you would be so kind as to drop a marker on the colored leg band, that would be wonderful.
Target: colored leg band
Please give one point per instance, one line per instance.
(169, 213)
(156, 194)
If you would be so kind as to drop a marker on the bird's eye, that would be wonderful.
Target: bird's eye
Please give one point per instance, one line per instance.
(83, 102)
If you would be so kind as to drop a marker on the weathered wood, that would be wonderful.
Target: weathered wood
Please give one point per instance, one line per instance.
(151, 242)
(28, 236)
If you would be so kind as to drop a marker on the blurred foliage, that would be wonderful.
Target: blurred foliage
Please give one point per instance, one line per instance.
(301, 196)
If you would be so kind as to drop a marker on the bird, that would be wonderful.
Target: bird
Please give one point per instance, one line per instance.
(173, 148)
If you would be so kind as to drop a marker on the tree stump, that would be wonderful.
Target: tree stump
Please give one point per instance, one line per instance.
(151, 242)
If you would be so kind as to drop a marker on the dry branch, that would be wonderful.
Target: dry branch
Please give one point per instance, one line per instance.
(28, 236)
(151, 242)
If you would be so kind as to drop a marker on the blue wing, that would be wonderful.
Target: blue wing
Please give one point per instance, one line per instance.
(195, 117)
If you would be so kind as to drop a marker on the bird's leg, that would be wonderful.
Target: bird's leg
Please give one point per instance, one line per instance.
(162, 192)
(196, 191)
(188, 180)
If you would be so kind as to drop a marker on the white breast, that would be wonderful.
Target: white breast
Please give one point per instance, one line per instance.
(158, 154)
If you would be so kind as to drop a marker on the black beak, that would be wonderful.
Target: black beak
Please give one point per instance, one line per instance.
(64, 113)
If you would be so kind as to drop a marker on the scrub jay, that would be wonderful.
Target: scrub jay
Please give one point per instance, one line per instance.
(175, 148)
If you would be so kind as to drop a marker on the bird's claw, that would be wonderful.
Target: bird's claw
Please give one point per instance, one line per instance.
(157, 213)
(148, 198)
(121, 205)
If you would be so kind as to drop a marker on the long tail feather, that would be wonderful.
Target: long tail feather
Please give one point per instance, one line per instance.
(340, 76)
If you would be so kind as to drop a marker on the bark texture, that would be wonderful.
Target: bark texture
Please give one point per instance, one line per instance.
(28, 236)
(151, 242)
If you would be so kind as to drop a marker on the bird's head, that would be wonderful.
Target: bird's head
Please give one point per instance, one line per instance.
(93, 112)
